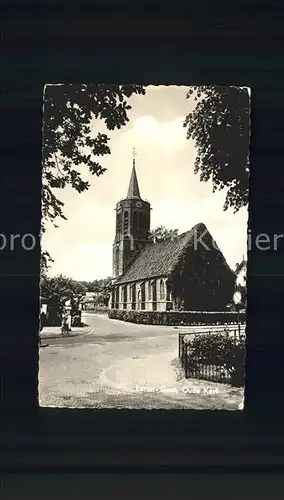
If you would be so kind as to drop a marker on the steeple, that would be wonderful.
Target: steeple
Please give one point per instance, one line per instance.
(133, 189)
(132, 226)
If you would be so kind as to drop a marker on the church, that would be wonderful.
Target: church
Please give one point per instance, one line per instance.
(187, 273)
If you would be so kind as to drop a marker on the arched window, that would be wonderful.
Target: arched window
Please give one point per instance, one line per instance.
(125, 222)
(139, 299)
(124, 296)
(154, 295)
(119, 222)
(162, 290)
(117, 298)
(133, 296)
(143, 295)
(149, 291)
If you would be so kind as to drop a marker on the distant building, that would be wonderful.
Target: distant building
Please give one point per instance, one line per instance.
(88, 302)
(241, 280)
(169, 275)
(241, 272)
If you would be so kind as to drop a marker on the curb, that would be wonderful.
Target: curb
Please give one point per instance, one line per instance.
(59, 335)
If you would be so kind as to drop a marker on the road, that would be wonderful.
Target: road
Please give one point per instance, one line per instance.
(122, 365)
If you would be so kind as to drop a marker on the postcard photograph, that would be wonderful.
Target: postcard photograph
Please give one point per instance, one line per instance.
(144, 244)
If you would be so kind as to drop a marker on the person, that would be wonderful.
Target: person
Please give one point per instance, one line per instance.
(64, 324)
(41, 325)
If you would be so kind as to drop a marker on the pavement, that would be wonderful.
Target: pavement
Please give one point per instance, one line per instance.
(51, 332)
(112, 364)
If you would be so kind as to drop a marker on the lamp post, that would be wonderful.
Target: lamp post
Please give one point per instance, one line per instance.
(237, 298)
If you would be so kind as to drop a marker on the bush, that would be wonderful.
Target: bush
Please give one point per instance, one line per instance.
(101, 309)
(220, 350)
(176, 318)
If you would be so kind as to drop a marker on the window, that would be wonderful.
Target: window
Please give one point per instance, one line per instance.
(124, 296)
(149, 291)
(117, 298)
(162, 290)
(143, 296)
(133, 296)
(125, 222)
(119, 222)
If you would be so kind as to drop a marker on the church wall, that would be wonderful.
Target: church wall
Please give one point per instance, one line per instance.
(161, 302)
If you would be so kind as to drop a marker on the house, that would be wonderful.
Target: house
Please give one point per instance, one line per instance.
(241, 272)
(88, 302)
(241, 281)
(187, 273)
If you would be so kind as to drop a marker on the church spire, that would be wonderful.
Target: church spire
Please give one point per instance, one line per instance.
(133, 189)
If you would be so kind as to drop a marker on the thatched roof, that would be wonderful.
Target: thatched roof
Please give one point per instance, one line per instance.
(160, 259)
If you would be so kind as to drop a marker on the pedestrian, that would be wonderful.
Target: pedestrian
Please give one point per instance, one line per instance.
(42, 319)
(64, 323)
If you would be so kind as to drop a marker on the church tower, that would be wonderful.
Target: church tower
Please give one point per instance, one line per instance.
(132, 225)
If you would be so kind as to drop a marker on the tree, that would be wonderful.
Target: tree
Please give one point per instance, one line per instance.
(70, 144)
(161, 233)
(95, 286)
(104, 291)
(219, 126)
(57, 290)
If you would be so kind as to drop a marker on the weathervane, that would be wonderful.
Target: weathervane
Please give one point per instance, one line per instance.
(134, 154)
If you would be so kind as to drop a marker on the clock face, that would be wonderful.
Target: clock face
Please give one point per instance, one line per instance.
(138, 204)
(237, 297)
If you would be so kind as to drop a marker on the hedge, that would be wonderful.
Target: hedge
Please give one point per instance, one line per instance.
(178, 318)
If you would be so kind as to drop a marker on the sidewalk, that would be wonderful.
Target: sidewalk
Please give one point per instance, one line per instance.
(51, 332)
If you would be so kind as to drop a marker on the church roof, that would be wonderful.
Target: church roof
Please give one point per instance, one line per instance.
(133, 189)
(160, 259)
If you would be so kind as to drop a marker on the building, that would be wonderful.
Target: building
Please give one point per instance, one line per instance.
(241, 273)
(241, 281)
(180, 274)
(89, 301)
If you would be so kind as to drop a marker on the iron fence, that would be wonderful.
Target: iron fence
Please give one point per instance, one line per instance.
(210, 372)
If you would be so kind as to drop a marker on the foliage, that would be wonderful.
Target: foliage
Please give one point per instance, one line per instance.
(219, 350)
(219, 126)
(101, 309)
(202, 280)
(161, 233)
(70, 143)
(102, 287)
(59, 289)
(175, 317)
(96, 286)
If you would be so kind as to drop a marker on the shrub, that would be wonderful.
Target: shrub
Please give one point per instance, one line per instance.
(101, 309)
(176, 318)
(223, 351)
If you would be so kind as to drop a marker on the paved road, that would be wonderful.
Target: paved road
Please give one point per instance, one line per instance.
(108, 331)
(113, 364)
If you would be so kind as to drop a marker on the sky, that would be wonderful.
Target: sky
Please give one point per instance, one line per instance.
(82, 245)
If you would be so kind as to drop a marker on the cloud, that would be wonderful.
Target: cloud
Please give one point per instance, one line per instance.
(82, 246)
